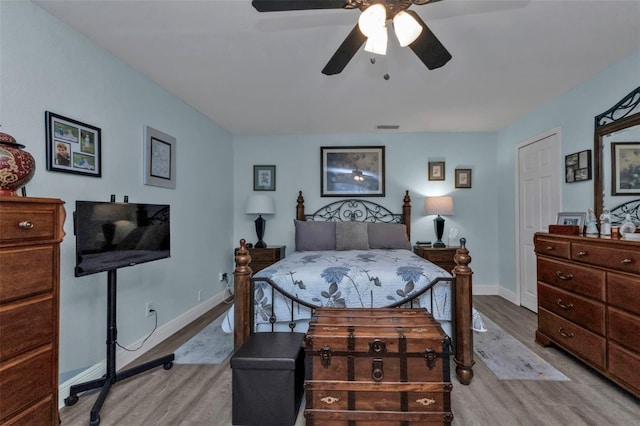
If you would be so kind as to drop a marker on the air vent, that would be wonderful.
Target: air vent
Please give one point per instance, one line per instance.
(387, 127)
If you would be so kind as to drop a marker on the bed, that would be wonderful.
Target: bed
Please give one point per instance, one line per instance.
(286, 294)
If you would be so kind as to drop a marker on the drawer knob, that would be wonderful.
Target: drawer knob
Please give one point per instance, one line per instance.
(563, 306)
(582, 253)
(25, 224)
(548, 248)
(563, 276)
(564, 333)
(626, 261)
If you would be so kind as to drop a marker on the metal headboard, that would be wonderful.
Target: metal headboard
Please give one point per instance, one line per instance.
(354, 210)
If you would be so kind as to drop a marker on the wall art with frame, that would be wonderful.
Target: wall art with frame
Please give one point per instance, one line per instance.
(463, 178)
(436, 170)
(354, 171)
(577, 166)
(72, 146)
(264, 178)
(159, 158)
(625, 168)
(572, 218)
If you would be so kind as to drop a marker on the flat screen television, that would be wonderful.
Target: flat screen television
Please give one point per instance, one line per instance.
(110, 236)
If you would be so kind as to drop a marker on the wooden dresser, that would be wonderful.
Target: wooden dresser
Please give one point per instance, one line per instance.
(589, 302)
(31, 230)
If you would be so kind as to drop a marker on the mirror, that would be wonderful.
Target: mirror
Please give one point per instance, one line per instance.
(621, 123)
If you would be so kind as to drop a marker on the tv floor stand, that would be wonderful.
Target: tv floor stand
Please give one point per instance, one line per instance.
(112, 376)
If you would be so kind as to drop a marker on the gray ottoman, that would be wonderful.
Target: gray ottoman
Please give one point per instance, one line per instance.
(268, 379)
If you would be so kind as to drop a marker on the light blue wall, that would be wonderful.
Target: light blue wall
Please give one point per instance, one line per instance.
(48, 66)
(574, 114)
(297, 160)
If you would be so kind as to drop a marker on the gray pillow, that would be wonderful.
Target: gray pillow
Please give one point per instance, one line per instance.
(388, 236)
(312, 236)
(352, 236)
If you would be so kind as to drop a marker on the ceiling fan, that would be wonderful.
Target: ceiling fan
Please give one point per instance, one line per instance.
(371, 29)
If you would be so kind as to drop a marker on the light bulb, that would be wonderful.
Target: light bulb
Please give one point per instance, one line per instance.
(372, 19)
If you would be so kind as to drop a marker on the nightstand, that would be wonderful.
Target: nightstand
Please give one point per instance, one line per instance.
(441, 256)
(264, 257)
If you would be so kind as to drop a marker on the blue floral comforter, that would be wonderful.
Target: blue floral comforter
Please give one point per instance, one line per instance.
(353, 278)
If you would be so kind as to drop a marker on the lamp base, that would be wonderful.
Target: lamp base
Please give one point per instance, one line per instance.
(260, 244)
(260, 225)
(438, 225)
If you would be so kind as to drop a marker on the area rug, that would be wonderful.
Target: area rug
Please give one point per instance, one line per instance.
(508, 358)
(210, 346)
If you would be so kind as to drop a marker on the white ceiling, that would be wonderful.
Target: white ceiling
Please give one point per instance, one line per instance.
(259, 73)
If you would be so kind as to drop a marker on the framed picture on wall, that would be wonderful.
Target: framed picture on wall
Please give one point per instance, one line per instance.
(463, 178)
(577, 166)
(625, 168)
(264, 178)
(436, 170)
(72, 146)
(356, 171)
(159, 159)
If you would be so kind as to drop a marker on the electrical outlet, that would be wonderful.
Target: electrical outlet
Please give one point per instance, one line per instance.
(223, 276)
(149, 307)
(199, 295)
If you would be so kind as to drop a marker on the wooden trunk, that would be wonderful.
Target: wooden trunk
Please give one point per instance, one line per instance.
(377, 367)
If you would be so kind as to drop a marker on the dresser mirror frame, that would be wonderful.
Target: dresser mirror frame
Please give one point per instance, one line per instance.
(624, 115)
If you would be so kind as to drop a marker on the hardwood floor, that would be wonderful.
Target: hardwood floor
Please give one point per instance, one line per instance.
(191, 395)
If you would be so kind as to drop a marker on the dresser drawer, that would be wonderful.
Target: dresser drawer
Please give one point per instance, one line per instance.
(574, 278)
(25, 326)
(258, 255)
(21, 225)
(551, 247)
(623, 291)
(580, 310)
(577, 340)
(624, 328)
(27, 271)
(607, 257)
(26, 380)
(624, 366)
(41, 413)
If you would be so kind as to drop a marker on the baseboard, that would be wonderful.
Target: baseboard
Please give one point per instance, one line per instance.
(509, 295)
(486, 290)
(125, 357)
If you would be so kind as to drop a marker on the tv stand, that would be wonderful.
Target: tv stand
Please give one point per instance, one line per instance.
(112, 376)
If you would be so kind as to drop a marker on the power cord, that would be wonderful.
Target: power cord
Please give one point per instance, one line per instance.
(155, 315)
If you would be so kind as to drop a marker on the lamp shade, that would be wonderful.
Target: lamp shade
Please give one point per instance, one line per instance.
(372, 19)
(260, 204)
(377, 42)
(438, 205)
(406, 27)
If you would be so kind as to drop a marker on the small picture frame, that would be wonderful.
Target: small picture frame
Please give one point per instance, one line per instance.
(436, 170)
(72, 146)
(463, 178)
(625, 168)
(264, 178)
(572, 218)
(159, 159)
(577, 166)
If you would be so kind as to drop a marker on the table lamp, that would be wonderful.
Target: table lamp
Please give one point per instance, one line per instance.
(438, 206)
(260, 204)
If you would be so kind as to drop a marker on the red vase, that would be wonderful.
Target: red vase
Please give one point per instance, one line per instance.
(16, 166)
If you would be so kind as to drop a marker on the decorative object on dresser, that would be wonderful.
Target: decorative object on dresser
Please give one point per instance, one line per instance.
(16, 165)
(260, 204)
(159, 158)
(441, 256)
(264, 257)
(365, 366)
(438, 206)
(72, 146)
(463, 178)
(264, 178)
(31, 230)
(354, 171)
(572, 218)
(589, 302)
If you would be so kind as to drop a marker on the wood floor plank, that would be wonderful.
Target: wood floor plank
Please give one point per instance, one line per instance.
(197, 395)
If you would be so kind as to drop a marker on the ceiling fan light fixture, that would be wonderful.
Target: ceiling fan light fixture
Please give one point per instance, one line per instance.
(377, 42)
(372, 19)
(406, 27)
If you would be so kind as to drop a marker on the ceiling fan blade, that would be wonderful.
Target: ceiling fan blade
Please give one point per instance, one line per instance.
(427, 46)
(282, 5)
(345, 52)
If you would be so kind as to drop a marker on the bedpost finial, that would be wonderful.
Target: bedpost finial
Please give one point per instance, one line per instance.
(243, 243)
(463, 242)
